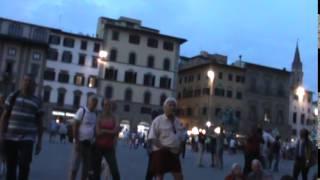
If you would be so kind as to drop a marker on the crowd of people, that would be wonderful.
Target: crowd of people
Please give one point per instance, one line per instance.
(94, 136)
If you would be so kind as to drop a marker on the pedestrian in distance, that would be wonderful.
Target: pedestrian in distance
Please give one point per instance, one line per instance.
(63, 131)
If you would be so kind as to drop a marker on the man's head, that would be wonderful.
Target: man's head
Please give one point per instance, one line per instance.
(169, 106)
(28, 84)
(107, 105)
(236, 169)
(92, 102)
(256, 165)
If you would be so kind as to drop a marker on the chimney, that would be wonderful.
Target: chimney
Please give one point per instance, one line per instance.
(204, 53)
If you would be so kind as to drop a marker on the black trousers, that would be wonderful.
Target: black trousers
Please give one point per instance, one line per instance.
(86, 151)
(300, 165)
(18, 154)
(149, 174)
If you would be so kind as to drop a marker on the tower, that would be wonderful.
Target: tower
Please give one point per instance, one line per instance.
(296, 67)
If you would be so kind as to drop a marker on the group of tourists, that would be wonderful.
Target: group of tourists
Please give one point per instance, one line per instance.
(61, 128)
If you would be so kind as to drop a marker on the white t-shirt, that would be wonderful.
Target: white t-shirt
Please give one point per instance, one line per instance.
(232, 143)
(267, 137)
(162, 129)
(87, 124)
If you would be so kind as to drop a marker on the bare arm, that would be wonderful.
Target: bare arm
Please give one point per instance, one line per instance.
(76, 126)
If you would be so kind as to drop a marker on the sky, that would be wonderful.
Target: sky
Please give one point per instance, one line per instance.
(264, 32)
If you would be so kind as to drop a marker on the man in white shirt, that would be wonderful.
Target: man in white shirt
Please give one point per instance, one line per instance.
(266, 148)
(83, 132)
(166, 136)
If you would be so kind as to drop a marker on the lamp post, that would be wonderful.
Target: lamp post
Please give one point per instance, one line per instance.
(210, 75)
(102, 61)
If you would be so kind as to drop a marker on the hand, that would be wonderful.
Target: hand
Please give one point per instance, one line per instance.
(38, 148)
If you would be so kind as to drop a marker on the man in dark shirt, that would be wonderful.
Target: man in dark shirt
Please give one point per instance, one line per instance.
(201, 141)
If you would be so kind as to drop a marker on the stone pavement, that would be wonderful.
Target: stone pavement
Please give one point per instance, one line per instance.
(53, 164)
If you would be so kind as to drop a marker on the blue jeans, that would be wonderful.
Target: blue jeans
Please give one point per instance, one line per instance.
(276, 157)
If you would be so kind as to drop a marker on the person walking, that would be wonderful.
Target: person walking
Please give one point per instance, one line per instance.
(184, 142)
(235, 173)
(107, 129)
(83, 133)
(201, 147)
(266, 149)
(303, 155)
(53, 131)
(166, 135)
(220, 148)
(21, 128)
(276, 147)
(63, 132)
(213, 148)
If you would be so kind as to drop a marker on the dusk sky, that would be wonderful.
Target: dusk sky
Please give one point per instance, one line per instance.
(263, 32)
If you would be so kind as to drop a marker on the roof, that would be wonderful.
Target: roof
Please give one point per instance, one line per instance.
(23, 40)
(266, 68)
(203, 65)
(142, 29)
(53, 29)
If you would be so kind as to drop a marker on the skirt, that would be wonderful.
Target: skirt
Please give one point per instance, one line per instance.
(163, 161)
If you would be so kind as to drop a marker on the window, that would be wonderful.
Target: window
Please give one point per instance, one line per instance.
(110, 74)
(302, 119)
(78, 79)
(82, 59)
(280, 117)
(220, 75)
(126, 108)
(165, 82)
(152, 43)
(189, 111)
(134, 39)
(166, 64)
(197, 92)
(52, 54)
(113, 55)
(230, 77)
(219, 92)
(63, 77)
(243, 79)
(132, 58)
(238, 78)
(238, 115)
(294, 118)
(108, 93)
(253, 85)
(239, 95)
(229, 93)
(168, 45)
(149, 80)
(115, 35)
(53, 39)
(12, 51)
(68, 42)
(199, 77)
(94, 62)
(267, 89)
(36, 56)
(206, 91)
(163, 97)
(61, 96)
(46, 94)
(83, 45)
(15, 29)
(150, 61)
(130, 77)
(217, 111)
(96, 47)
(147, 97)
(49, 75)
(34, 69)
(9, 67)
(204, 111)
(128, 95)
(67, 56)
(76, 98)
(190, 78)
(145, 110)
(180, 81)
(92, 81)
(39, 34)
(280, 90)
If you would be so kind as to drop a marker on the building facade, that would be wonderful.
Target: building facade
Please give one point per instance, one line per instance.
(218, 101)
(140, 71)
(23, 50)
(71, 73)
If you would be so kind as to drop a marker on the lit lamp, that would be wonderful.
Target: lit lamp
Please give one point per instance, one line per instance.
(217, 130)
(195, 131)
(208, 124)
(315, 111)
(300, 92)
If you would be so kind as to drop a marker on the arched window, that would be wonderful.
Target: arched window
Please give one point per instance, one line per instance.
(46, 93)
(132, 58)
(76, 98)
(150, 61)
(130, 77)
(108, 92)
(128, 95)
(147, 97)
(61, 96)
(148, 79)
(165, 82)
(113, 55)
(163, 97)
(166, 64)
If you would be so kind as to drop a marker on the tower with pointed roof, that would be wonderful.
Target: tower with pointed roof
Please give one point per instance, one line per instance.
(296, 67)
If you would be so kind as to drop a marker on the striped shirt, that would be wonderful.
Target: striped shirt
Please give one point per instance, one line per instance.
(22, 124)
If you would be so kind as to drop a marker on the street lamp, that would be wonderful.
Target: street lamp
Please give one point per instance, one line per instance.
(315, 111)
(210, 75)
(208, 124)
(300, 92)
(102, 61)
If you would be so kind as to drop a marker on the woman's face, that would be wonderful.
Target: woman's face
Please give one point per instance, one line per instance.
(107, 105)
